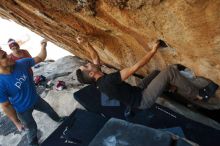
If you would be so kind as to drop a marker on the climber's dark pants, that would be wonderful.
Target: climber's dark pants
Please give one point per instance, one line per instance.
(154, 86)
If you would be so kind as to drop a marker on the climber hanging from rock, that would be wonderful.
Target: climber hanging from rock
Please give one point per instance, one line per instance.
(150, 88)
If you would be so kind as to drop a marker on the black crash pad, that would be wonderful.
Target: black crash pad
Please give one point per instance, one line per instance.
(157, 116)
(78, 129)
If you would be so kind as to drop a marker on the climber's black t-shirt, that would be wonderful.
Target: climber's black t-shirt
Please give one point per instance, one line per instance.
(115, 88)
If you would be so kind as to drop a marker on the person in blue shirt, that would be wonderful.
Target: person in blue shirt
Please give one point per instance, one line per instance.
(18, 96)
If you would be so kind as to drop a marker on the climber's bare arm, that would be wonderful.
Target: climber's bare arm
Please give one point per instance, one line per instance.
(88, 47)
(94, 55)
(127, 72)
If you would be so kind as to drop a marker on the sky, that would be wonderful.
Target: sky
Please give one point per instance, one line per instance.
(10, 29)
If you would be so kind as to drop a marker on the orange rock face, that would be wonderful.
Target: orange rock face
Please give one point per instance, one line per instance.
(122, 30)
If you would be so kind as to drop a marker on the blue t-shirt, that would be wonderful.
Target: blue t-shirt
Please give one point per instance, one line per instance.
(18, 87)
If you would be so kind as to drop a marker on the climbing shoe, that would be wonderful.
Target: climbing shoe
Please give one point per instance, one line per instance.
(208, 91)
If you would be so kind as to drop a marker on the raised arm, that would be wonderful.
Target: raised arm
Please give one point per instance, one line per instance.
(94, 55)
(43, 53)
(11, 114)
(127, 72)
(88, 47)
